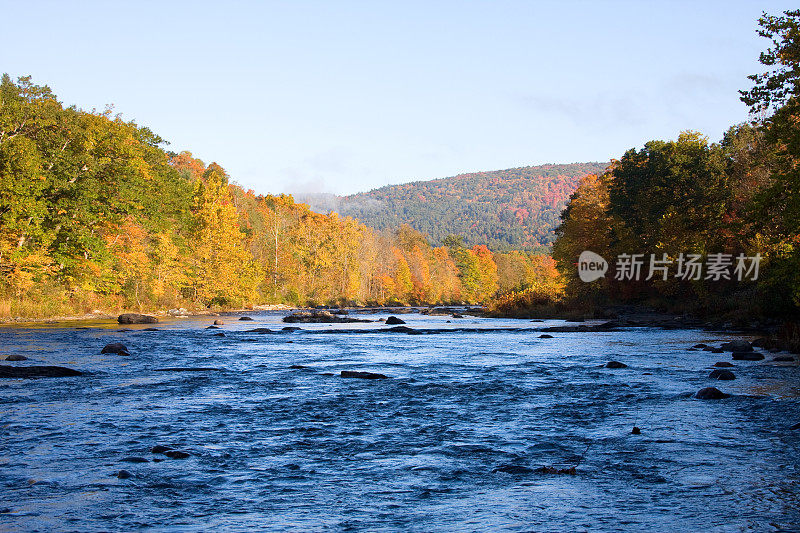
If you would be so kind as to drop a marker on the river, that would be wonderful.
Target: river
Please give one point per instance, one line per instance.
(451, 441)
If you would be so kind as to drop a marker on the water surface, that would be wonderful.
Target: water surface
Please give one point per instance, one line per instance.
(278, 448)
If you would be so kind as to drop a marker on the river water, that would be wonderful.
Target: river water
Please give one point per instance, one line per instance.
(450, 442)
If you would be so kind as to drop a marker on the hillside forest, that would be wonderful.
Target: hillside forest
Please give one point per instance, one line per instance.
(513, 209)
(96, 213)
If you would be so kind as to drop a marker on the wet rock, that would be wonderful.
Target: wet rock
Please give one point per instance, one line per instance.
(115, 347)
(722, 374)
(737, 346)
(795, 427)
(219, 322)
(571, 471)
(7, 371)
(403, 329)
(220, 334)
(182, 312)
(151, 329)
(716, 350)
(636, 431)
(16, 357)
(320, 317)
(261, 331)
(710, 393)
(723, 364)
(616, 364)
(177, 454)
(457, 315)
(394, 321)
(545, 336)
(605, 326)
(297, 367)
(134, 460)
(512, 469)
(765, 343)
(783, 359)
(187, 369)
(124, 474)
(212, 327)
(293, 466)
(700, 346)
(747, 356)
(245, 318)
(160, 448)
(135, 318)
(289, 329)
(362, 375)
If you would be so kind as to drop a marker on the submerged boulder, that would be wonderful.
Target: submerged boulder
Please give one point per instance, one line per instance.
(711, 393)
(219, 322)
(394, 321)
(778, 359)
(545, 336)
(747, 356)
(115, 347)
(7, 371)
(135, 318)
(245, 318)
(512, 469)
(16, 357)
(723, 364)
(177, 454)
(722, 374)
(616, 364)
(362, 375)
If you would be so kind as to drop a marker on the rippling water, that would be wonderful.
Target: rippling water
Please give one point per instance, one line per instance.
(278, 448)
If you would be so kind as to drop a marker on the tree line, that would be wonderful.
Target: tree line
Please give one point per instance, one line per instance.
(95, 212)
(739, 197)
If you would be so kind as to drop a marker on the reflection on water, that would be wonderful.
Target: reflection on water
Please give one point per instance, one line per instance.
(451, 441)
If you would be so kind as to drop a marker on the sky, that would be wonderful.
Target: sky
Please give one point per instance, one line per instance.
(343, 97)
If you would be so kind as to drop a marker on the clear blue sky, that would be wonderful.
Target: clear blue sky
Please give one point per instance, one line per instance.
(348, 96)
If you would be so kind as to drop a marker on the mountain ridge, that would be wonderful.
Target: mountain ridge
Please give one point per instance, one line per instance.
(514, 208)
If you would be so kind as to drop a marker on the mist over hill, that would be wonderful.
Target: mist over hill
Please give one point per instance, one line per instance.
(516, 208)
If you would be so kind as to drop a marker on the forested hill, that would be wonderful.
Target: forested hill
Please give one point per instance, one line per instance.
(517, 208)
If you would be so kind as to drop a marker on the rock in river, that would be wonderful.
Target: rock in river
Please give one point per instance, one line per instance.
(115, 347)
(737, 346)
(545, 336)
(722, 374)
(218, 322)
(135, 318)
(7, 371)
(322, 317)
(723, 364)
(710, 393)
(616, 364)
(16, 357)
(362, 375)
(394, 321)
(160, 448)
(177, 454)
(747, 356)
